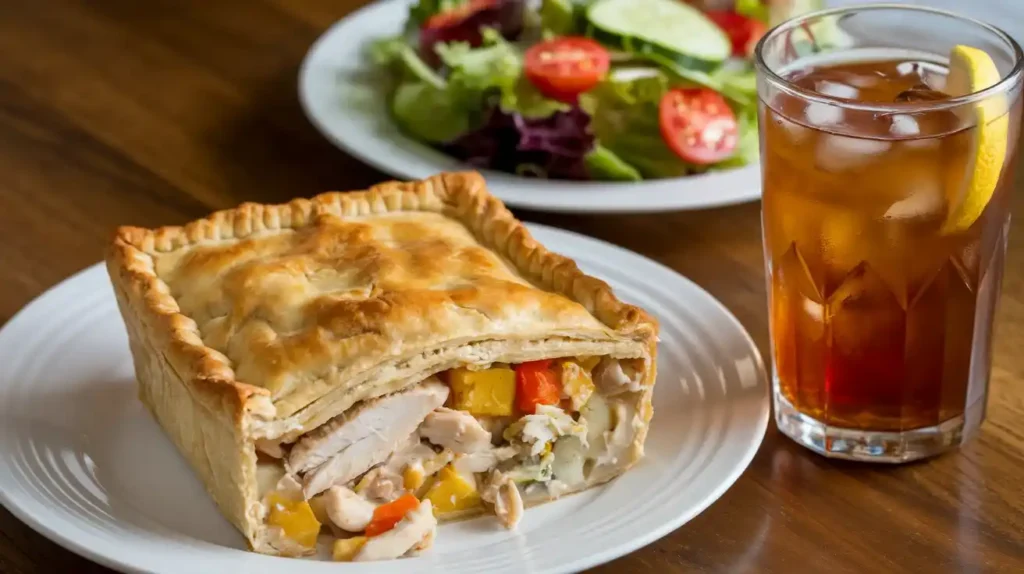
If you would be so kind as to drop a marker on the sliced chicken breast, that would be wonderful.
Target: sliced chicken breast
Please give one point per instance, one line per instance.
(455, 430)
(348, 445)
(417, 526)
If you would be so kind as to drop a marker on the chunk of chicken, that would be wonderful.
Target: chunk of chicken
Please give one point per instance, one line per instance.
(614, 376)
(348, 445)
(381, 484)
(455, 430)
(348, 510)
(418, 527)
(484, 460)
(271, 448)
(502, 493)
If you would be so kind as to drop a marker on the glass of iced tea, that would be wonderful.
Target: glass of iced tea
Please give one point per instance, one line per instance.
(889, 140)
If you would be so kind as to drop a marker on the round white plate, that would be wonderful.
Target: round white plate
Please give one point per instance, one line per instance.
(338, 91)
(82, 462)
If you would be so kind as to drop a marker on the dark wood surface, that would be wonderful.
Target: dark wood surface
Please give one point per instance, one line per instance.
(156, 112)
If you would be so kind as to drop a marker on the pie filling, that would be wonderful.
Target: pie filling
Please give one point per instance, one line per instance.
(381, 475)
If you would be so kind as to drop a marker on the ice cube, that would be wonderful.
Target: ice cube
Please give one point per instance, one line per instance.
(907, 68)
(841, 153)
(836, 89)
(922, 196)
(797, 132)
(904, 126)
(933, 75)
(819, 114)
(865, 81)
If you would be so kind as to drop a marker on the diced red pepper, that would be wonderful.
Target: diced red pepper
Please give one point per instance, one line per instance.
(386, 516)
(536, 384)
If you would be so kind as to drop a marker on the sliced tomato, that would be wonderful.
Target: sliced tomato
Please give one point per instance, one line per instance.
(743, 32)
(698, 125)
(563, 68)
(386, 516)
(536, 384)
(457, 15)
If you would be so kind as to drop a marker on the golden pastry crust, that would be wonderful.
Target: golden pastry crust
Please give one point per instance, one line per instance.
(270, 319)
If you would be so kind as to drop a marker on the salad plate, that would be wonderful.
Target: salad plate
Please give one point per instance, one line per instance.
(83, 462)
(349, 94)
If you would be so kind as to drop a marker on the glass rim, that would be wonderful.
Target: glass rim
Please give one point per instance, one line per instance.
(1003, 85)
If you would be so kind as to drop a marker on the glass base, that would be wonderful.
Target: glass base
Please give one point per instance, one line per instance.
(875, 446)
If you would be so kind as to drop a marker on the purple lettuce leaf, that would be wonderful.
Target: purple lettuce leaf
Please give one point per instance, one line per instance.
(505, 16)
(552, 147)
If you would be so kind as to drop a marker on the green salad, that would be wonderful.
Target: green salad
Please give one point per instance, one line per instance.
(615, 90)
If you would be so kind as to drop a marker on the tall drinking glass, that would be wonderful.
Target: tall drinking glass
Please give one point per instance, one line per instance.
(889, 140)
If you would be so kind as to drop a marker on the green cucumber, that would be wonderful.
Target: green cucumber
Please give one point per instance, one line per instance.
(666, 28)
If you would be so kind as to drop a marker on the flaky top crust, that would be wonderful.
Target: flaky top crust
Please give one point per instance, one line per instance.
(257, 303)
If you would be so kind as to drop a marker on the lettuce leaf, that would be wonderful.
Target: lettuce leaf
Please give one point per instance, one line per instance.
(625, 122)
(756, 9)
(524, 98)
(432, 114)
(603, 164)
(395, 52)
(557, 17)
(473, 71)
(496, 66)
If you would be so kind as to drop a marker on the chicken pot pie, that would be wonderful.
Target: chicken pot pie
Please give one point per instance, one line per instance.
(365, 364)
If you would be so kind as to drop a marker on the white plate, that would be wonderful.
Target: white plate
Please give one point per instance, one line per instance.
(82, 462)
(338, 93)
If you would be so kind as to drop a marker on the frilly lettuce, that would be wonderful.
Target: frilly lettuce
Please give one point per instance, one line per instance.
(439, 110)
(625, 121)
(495, 65)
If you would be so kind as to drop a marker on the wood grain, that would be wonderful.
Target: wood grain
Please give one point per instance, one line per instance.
(156, 112)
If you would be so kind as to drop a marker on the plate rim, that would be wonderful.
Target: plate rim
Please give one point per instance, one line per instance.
(557, 196)
(732, 326)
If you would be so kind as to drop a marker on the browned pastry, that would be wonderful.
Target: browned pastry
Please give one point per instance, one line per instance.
(257, 325)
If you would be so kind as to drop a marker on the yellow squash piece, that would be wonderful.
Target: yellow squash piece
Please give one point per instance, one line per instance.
(452, 493)
(487, 392)
(577, 384)
(412, 477)
(345, 549)
(972, 70)
(295, 518)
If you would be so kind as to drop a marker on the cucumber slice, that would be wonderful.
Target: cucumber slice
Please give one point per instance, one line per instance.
(668, 28)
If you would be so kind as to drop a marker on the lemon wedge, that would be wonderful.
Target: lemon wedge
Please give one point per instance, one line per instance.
(972, 70)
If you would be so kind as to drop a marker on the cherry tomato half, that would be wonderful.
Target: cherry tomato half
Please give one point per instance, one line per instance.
(563, 68)
(743, 32)
(457, 15)
(698, 125)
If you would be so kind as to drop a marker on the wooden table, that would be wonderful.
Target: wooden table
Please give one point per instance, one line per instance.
(156, 112)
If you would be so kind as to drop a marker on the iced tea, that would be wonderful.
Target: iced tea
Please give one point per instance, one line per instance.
(884, 251)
